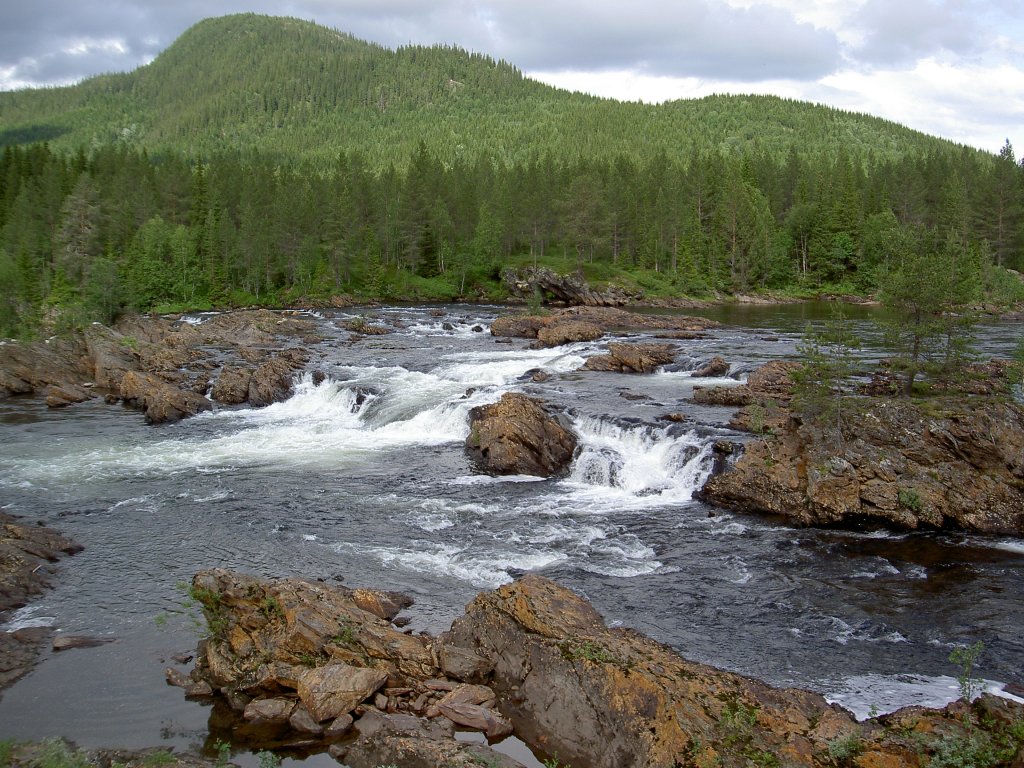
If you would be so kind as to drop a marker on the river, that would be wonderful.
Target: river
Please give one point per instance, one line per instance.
(363, 478)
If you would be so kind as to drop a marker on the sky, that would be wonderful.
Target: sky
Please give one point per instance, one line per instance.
(951, 68)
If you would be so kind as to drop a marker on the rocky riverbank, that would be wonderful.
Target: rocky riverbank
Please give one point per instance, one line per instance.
(165, 366)
(308, 664)
(28, 557)
(952, 461)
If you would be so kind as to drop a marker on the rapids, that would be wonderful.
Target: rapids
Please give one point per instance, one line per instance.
(363, 478)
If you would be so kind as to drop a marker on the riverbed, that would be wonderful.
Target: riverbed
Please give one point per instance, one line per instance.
(362, 479)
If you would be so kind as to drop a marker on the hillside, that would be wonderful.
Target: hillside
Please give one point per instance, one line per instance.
(290, 87)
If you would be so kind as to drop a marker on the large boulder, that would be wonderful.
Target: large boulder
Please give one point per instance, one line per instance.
(232, 385)
(336, 689)
(632, 358)
(517, 436)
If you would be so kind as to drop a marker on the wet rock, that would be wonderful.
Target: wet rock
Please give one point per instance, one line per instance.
(271, 382)
(69, 642)
(568, 332)
(110, 354)
(951, 463)
(479, 718)
(160, 401)
(714, 368)
(177, 678)
(632, 358)
(734, 397)
(303, 722)
(27, 555)
(517, 436)
(58, 396)
(269, 711)
(385, 605)
(232, 387)
(31, 367)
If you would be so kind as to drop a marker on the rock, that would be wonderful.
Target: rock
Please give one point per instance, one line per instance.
(569, 289)
(339, 727)
(271, 382)
(734, 397)
(518, 326)
(517, 436)
(954, 463)
(413, 743)
(337, 689)
(176, 678)
(269, 711)
(58, 396)
(632, 358)
(161, 402)
(386, 605)
(568, 333)
(200, 690)
(69, 642)
(303, 722)
(479, 718)
(716, 367)
(232, 387)
(110, 354)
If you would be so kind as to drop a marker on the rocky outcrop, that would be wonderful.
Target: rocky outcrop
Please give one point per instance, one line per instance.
(160, 401)
(956, 464)
(771, 382)
(948, 462)
(632, 358)
(27, 557)
(516, 436)
(162, 366)
(530, 283)
(569, 332)
(588, 321)
(305, 663)
(612, 698)
(582, 693)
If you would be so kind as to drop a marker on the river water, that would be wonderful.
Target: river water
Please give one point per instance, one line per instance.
(363, 478)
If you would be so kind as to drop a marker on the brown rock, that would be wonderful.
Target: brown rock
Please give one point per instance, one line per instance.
(232, 387)
(956, 463)
(339, 727)
(714, 368)
(69, 642)
(271, 382)
(517, 436)
(303, 722)
(730, 396)
(632, 358)
(269, 710)
(479, 718)
(385, 605)
(568, 332)
(334, 690)
(160, 401)
(58, 396)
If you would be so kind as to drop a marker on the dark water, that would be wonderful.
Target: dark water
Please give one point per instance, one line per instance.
(363, 478)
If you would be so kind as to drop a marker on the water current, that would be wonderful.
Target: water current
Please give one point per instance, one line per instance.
(363, 478)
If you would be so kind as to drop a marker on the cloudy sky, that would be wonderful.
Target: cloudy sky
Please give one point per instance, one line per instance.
(953, 68)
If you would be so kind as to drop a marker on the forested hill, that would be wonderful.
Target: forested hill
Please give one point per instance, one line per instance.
(272, 161)
(301, 91)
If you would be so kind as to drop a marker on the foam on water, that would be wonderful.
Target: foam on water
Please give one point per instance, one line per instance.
(866, 695)
(480, 568)
(637, 466)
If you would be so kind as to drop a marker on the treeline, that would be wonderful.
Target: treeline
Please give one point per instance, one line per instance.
(87, 235)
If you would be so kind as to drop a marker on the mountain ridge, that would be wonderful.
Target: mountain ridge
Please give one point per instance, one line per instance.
(306, 92)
